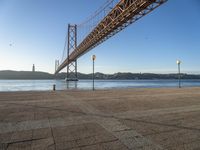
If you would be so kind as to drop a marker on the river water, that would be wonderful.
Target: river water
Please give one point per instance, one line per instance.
(43, 85)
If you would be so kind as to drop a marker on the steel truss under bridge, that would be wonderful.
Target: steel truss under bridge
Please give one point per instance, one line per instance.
(124, 13)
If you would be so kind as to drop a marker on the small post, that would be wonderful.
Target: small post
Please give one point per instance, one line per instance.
(93, 59)
(54, 87)
(179, 73)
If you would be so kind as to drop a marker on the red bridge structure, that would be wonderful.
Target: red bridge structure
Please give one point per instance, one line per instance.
(112, 17)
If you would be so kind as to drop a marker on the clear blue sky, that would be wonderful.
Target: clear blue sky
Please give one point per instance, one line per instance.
(33, 32)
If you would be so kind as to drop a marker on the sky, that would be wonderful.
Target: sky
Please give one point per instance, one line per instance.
(33, 32)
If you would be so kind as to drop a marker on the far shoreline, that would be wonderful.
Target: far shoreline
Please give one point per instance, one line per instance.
(37, 75)
(106, 89)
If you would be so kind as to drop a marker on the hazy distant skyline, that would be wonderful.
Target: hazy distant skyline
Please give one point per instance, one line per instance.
(33, 32)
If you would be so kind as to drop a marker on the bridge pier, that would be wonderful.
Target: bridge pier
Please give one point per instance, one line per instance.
(71, 46)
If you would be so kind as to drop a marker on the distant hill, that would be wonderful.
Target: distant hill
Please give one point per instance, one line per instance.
(8, 74)
(28, 75)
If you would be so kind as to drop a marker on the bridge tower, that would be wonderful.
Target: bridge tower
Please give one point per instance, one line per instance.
(71, 46)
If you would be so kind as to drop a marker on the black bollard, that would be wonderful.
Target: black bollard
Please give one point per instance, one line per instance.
(54, 87)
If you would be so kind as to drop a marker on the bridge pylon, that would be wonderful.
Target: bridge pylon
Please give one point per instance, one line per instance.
(71, 46)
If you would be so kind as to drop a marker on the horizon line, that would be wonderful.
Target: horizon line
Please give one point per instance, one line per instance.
(167, 72)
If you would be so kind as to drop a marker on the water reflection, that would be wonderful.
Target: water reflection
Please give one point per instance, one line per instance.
(42, 85)
(71, 84)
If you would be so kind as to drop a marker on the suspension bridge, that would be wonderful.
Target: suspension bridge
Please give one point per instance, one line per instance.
(109, 19)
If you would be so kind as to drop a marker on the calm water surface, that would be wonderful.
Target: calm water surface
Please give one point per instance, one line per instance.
(38, 85)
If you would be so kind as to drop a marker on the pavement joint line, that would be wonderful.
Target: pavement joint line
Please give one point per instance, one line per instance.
(112, 125)
(142, 95)
(97, 143)
(38, 124)
(155, 111)
(22, 141)
(124, 133)
(160, 132)
(51, 108)
(54, 143)
(162, 124)
(161, 111)
(45, 123)
(89, 110)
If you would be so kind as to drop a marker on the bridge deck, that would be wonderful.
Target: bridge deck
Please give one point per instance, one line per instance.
(122, 15)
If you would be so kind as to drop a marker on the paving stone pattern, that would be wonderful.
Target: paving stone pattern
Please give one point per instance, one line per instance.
(128, 119)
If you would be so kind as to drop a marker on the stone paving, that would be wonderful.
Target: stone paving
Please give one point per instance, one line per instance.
(128, 119)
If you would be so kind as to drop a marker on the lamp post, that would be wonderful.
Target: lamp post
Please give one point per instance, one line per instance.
(93, 59)
(179, 73)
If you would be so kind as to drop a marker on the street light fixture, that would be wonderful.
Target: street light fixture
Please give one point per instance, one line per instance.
(179, 73)
(93, 59)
